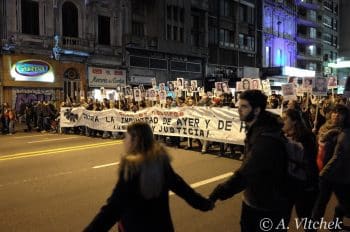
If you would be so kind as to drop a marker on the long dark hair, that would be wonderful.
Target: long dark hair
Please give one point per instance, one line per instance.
(300, 129)
(146, 158)
(142, 138)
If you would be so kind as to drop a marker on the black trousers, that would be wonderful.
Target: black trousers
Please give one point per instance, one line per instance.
(341, 191)
(255, 220)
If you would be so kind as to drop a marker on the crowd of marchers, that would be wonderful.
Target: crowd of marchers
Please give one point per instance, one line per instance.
(270, 188)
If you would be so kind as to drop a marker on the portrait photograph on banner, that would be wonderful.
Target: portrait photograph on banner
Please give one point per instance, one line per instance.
(246, 83)
(289, 91)
(162, 96)
(320, 86)
(218, 87)
(255, 84)
(239, 86)
(137, 95)
(293, 80)
(266, 87)
(332, 82)
(180, 83)
(194, 84)
(154, 82)
(225, 87)
(170, 85)
(152, 94)
(128, 92)
(161, 86)
(307, 84)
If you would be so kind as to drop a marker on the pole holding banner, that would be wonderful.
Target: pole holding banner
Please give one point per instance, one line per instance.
(316, 116)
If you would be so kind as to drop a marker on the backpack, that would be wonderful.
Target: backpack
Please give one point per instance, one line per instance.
(296, 160)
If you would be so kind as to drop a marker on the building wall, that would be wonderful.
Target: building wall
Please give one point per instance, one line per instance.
(279, 31)
(344, 39)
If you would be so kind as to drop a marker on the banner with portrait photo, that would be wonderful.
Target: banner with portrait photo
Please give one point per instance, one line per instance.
(255, 84)
(266, 87)
(246, 83)
(320, 87)
(332, 82)
(307, 84)
(289, 91)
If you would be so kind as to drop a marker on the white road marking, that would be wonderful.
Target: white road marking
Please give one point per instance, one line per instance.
(29, 136)
(208, 181)
(106, 165)
(48, 140)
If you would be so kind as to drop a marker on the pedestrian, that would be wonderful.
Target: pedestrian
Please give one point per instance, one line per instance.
(140, 199)
(335, 175)
(263, 172)
(303, 191)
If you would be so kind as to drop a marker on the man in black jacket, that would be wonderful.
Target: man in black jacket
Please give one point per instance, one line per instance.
(263, 172)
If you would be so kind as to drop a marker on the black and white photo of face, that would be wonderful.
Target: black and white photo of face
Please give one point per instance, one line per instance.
(171, 86)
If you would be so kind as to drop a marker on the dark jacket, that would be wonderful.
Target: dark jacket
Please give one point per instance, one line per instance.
(263, 171)
(337, 169)
(136, 212)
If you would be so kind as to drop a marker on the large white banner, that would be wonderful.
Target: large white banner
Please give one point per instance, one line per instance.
(213, 124)
(103, 77)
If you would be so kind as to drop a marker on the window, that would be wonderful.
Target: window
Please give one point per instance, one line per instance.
(312, 32)
(168, 32)
(312, 15)
(279, 57)
(195, 33)
(327, 38)
(267, 56)
(226, 8)
(335, 24)
(311, 50)
(182, 15)
(327, 21)
(251, 15)
(242, 13)
(104, 33)
(251, 43)
(181, 35)
(175, 33)
(70, 20)
(176, 15)
(335, 41)
(30, 17)
(138, 29)
(168, 12)
(241, 40)
(226, 38)
(212, 35)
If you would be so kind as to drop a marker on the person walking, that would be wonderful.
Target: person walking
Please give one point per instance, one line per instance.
(140, 199)
(304, 184)
(263, 172)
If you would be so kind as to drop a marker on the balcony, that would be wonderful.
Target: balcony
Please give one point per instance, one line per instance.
(76, 44)
(308, 56)
(306, 39)
(309, 21)
(144, 42)
(311, 4)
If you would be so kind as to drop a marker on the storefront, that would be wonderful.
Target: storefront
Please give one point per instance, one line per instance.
(32, 78)
(104, 82)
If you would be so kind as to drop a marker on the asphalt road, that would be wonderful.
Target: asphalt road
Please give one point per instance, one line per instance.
(51, 182)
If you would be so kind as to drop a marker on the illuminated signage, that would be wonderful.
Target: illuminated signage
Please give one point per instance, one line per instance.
(32, 70)
(297, 72)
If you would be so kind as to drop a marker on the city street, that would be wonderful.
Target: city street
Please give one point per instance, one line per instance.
(51, 182)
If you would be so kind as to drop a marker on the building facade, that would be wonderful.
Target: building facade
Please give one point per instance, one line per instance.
(232, 39)
(165, 39)
(46, 47)
(278, 33)
(330, 34)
